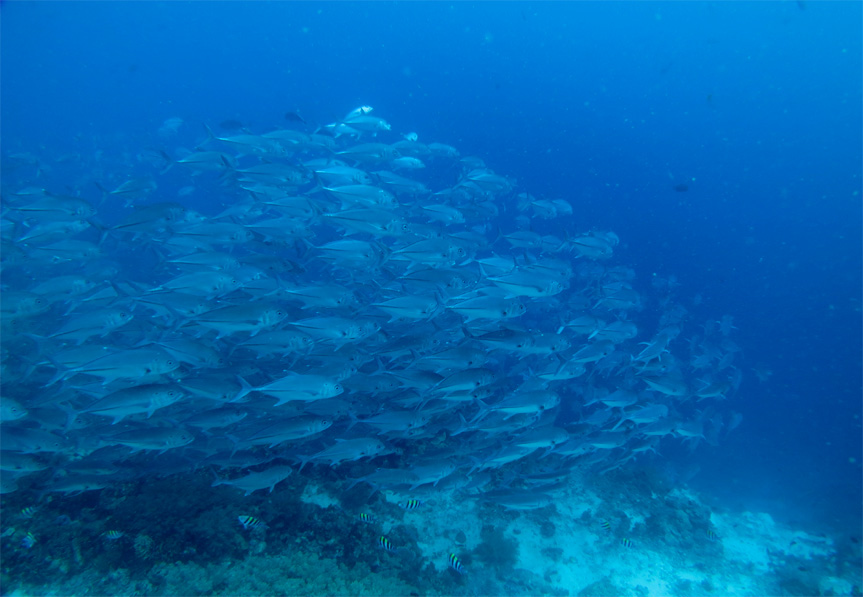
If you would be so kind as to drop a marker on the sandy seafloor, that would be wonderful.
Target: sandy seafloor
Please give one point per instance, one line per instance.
(578, 546)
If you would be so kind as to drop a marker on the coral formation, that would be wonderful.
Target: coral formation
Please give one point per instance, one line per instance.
(496, 549)
(143, 546)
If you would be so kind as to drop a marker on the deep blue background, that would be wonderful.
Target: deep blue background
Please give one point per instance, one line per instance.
(755, 106)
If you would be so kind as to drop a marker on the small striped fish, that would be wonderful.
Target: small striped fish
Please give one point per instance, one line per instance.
(250, 522)
(385, 544)
(411, 504)
(455, 564)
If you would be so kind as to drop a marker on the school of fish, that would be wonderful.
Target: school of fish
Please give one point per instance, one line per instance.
(346, 297)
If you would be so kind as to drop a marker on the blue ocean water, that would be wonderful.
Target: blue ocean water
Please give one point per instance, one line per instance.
(721, 142)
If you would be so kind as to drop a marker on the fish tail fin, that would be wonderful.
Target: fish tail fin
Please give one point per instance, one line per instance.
(105, 194)
(229, 174)
(103, 230)
(70, 413)
(484, 409)
(245, 389)
(236, 442)
(477, 463)
(168, 161)
(353, 419)
(496, 238)
(303, 460)
(210, 135)
(218, 480)
(203, 145)
(464, 426)
(62, 371)
(353, 483)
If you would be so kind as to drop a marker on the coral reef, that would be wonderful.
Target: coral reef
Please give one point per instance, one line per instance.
(143, 546)
(180, 536)
(298, 573)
